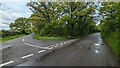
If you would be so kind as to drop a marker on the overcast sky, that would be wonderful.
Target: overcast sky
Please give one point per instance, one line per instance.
(11, 10)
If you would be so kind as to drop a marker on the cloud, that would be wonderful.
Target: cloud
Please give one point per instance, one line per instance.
(2, 25)
(10, 11)
(15, 0)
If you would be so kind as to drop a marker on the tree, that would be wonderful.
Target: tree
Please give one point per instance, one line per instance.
(21, 25)
(111, 13)
(62, 19)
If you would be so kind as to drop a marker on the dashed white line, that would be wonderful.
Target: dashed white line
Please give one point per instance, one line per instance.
(64, 42)
(41, 51)
(97, 44)
(53, 45)
(23, 39)
(96, 51)
(57, 44)
(61, 44)
(27, 56)
(50, 48)
(67, 42)
(6, 63)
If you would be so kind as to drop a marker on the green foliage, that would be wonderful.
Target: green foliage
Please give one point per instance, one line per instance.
(113, 42)
(21, 25)
(6, 33)
(62, 18)
(10, 37)
(9, 34)
(49, 38)
(110, 25)
(111, 13)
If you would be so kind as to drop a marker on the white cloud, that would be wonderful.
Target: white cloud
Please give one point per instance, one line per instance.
(10, 11)
(15, 0)
(2, 25)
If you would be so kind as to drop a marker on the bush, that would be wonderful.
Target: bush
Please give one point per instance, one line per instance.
(5, 33)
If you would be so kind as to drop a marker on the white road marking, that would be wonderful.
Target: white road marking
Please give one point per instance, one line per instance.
(36, 46)
(28, 35)
(97, 44)
(6, 63)
(61, 43)
(96, 51)
(41, 51)
(57, 44)
(27, 56)
(9, 46)
(53, 45)
(23, 39)
(67, 41)
(50, 48)
(64, 42)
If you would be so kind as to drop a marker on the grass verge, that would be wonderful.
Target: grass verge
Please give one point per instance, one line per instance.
(49, 38)
(113, 41)
(10, 37)
(37, 37)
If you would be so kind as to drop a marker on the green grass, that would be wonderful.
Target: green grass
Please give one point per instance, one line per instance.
(113, 40)
(10, 37)
(49, 38)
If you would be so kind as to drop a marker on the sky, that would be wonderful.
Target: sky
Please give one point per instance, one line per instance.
(10, 10)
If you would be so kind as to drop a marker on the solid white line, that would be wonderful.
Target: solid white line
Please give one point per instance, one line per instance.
(27, 56)
(36, 46)
(6, 63)
(41, 51)
(9, 46)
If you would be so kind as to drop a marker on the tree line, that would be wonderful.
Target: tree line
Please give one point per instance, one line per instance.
(58, 19)
(110, 13)
(110, 25)
(6, 33)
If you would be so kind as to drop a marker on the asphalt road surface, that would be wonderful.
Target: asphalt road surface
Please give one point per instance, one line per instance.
(21, 49)
(88, 51)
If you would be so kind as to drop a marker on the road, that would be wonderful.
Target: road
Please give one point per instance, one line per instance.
(88, 51)
(21, 49)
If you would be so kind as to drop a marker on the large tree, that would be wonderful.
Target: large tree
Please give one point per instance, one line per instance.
(21, 25)
(111, 17)
(62, 18)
